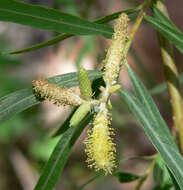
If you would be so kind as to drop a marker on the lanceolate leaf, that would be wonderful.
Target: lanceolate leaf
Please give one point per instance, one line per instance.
(115, 15)
(42, 44)
(60, 155)
(159, 15)
(154, 126)
(60, 38)
(168, 31)
(49, 19)
(25, 98)
(164, 145)
(145, 98)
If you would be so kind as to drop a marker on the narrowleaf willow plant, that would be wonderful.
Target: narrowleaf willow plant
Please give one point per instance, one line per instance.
(96, 108)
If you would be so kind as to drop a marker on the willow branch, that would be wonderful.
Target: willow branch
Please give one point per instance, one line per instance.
(171, 75)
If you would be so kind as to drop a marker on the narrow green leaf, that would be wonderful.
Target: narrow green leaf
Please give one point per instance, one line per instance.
(60, 155)
(169, 32)
(25, 98)
(42, 44)
(124, 177)
(145, 98)
(164, 144)
(115, 15)
(49, 19)
(163, 86)
(60, 38)
(158, 124)
(159, 15)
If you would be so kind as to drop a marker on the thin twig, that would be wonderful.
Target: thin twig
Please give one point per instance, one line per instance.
(136, 26)
(148, 171)
(171, 75)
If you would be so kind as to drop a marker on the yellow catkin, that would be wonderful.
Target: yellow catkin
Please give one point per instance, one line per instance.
(114, 55)
(57, 95)
(99, 146)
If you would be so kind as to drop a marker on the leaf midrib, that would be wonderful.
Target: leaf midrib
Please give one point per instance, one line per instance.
(57, 22)
(55, 163)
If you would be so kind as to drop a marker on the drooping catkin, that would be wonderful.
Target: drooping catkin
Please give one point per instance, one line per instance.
(99, 146)
(115, 55)
(57, 95)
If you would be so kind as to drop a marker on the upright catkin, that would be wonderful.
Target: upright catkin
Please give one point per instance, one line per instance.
(113, 60)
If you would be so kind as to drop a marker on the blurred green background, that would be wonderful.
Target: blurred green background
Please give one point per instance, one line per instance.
(26, 139)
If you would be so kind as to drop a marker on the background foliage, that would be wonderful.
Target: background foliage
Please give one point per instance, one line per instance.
(33, 138)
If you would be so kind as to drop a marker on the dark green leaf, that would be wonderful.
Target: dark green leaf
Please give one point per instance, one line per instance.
(163, 144)
(145, 98)
(23, 99)
(49, 19)
(60, 155)
(65, 36)
(125, 177)
(41, 45)
(155, 127)
(159, 15)
(168, 31)
(115, 15)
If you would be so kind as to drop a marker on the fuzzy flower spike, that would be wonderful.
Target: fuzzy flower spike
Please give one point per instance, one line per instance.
(113, 60)
(100, 148)
(60, 96)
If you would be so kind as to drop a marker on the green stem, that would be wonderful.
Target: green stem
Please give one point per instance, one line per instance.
(136, 26)
(171, 75)
(148, 171)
